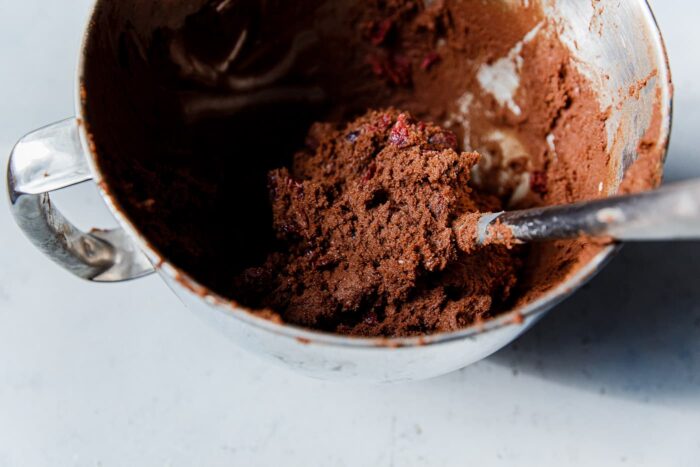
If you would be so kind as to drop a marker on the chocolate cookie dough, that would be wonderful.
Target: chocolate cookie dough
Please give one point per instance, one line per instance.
(364, 219)
(192, 103)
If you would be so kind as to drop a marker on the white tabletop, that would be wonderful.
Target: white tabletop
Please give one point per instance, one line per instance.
(123, 375)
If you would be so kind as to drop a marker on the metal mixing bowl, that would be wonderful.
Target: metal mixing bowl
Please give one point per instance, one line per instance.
(616, 44)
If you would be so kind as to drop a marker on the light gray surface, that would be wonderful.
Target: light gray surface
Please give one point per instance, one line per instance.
(124, 375)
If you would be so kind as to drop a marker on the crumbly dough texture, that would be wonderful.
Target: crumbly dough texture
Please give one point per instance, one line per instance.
(364, 220)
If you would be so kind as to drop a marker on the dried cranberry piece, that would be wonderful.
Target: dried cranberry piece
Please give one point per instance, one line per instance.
(538, 182)
(400, 71)
(386, 122)
(377, 64)
(443, 140)
(370, 172)
(429, 60)
(380, 32)
(395, 69)
(401, 132)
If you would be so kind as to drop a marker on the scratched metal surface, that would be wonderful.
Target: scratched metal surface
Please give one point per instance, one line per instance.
(123, 375)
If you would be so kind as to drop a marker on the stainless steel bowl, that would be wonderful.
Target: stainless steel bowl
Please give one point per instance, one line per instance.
(616, 44)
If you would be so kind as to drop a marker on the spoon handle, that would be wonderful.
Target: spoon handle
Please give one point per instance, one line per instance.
(669, 213)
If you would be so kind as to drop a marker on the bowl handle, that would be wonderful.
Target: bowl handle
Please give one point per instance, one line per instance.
(50, 159)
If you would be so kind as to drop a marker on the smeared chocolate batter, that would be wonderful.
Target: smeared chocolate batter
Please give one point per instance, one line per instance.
(192, 103)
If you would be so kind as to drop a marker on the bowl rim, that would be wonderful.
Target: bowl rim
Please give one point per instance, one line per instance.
(517, 317)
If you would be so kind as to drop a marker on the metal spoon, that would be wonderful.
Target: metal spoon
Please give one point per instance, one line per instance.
(668, 213)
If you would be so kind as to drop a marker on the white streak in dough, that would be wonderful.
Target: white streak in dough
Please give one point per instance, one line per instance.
(501, 79)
